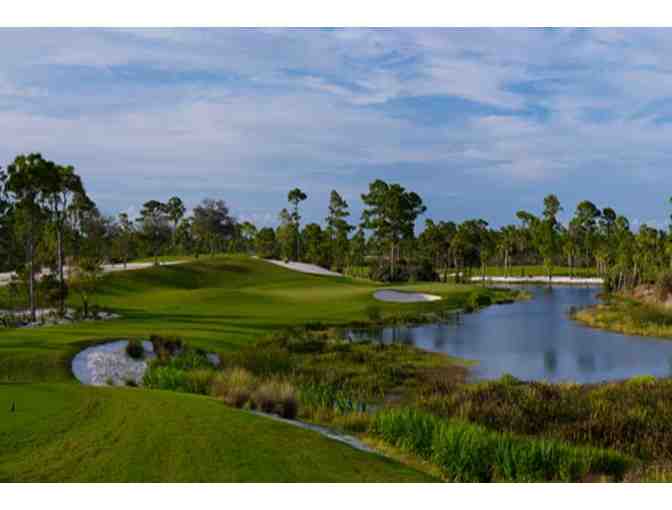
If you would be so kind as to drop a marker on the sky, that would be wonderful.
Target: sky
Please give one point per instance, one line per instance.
(480, 122)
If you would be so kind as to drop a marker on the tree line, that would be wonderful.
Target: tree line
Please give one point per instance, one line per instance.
(49, 222)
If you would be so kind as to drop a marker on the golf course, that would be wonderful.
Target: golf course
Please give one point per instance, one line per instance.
(60, 430)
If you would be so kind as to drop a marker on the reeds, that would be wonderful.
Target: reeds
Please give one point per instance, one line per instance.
(470, 453)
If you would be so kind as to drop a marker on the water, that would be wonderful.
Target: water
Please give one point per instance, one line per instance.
(536, 340)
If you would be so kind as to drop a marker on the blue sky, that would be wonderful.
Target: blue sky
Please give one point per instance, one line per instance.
(480, 122)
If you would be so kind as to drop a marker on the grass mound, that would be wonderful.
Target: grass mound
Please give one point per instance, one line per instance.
(67, 432)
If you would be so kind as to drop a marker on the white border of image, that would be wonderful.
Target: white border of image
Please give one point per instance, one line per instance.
(127, 13)
(342, 13)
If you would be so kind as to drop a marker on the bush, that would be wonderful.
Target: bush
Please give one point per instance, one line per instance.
(199, 381)
(632, 417)
(373, 313)
(191, 359)
(471, 453)
(478, 299)
(278, 397)
(166, 346)
(165, 378)
(234, 386)
(135, 349)
(664, 285)
(262, 359)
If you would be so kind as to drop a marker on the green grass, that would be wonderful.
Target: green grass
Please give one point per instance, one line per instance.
(628, 316)
(470, 453)
(67, 432)
(218, 304)
(62, 431)
(632, 416)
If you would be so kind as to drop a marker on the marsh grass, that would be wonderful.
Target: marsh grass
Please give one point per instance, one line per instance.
(627, 316)
(632, 417)
(277, 397)
(235, 386)
(470, 453)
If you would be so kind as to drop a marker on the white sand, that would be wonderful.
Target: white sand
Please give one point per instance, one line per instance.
(100, 364)
(5, 278)
(394, 296)
(538, 279)
(302, 267)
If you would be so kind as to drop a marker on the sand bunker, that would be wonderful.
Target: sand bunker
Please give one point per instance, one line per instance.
(394, 296)
(302, 267)
(108, 363)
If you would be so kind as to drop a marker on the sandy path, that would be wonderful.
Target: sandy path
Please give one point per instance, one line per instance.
(394, 296)
(5, 278)
(302, 267)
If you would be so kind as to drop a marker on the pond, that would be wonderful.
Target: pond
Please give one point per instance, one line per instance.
(536, 340)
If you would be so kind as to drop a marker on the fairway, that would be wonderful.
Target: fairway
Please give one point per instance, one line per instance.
(216, 303)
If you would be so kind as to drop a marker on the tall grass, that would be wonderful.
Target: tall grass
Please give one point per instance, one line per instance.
(633, 417)
(471, 453)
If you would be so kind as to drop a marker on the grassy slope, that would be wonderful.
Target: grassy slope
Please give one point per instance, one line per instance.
(67, 432)
(218, 304)
(70, 432)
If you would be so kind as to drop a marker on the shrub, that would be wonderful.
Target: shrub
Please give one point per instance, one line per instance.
(135, 349)
(262, 359)
(373, 313)
(632, 417)
(278, 397)
(478, 300)
(234, 386)
(191, 359)
(199, 381)
(165, 378)
(170, 344)
(664, 285)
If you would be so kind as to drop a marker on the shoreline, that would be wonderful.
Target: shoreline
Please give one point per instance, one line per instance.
(562, 280)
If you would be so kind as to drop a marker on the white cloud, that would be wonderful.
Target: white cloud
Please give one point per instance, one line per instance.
(239, 110)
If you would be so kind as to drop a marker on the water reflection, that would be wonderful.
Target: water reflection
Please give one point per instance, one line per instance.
(536, 340)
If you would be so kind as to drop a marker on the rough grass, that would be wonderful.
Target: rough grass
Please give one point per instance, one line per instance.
(471, 453)
(632, 417)
(629, 317)
(217, 304)
(67, 432)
